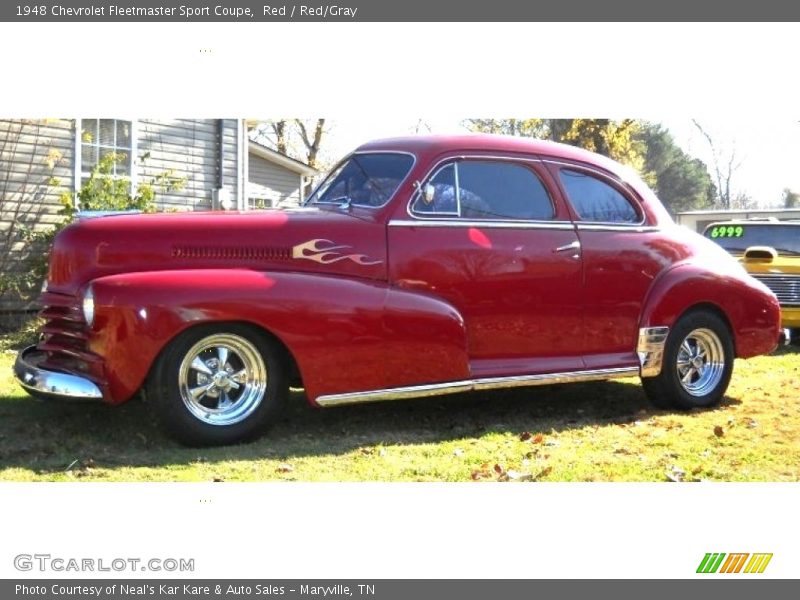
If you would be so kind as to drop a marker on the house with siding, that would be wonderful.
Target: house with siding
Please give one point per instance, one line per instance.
(221, 167)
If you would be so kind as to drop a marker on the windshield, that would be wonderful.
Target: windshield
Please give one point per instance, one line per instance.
(364, 180)
(738, 237)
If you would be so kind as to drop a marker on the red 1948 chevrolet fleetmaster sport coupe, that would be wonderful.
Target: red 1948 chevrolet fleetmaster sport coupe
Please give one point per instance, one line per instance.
(420, 266)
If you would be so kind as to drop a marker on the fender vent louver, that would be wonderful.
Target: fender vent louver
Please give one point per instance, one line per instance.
(232, 252)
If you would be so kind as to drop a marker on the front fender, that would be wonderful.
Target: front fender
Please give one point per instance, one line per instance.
(750, 308)
(345, 335)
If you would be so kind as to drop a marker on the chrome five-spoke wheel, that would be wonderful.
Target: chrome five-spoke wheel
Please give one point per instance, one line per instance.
(220, 383)
(697, 364)
(701, 362)
(222, 379)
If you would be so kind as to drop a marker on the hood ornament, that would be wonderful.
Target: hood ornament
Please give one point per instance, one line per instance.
(327, 252)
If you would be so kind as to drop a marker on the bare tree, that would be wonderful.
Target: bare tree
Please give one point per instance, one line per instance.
(422, 126)
(725, 165)
(281, 141)
(311, 141)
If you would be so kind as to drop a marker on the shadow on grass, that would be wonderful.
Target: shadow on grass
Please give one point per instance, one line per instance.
(47, 437)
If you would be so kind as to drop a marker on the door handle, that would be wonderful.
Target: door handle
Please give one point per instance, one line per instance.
(576, 245)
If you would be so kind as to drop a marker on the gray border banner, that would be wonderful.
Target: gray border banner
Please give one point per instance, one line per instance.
(731, 588)
(397, 11)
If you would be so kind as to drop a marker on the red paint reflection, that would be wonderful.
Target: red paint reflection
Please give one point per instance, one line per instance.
(477, 237)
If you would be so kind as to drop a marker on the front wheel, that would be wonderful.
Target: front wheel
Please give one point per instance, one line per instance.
(698, 362)
(217, 385)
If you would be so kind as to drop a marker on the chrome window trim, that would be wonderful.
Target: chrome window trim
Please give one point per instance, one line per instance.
(469, 385)
(562, 225)
(617, 183)
(454, 160)
(359, 153)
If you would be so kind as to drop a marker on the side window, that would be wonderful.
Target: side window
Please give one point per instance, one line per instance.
(473, 189)
(594, 200)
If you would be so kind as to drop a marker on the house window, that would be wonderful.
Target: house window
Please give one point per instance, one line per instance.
(101, 137)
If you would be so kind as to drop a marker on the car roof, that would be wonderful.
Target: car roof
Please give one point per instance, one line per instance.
(483, 142)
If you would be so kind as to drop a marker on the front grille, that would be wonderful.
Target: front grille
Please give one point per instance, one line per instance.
(65, 338)
(785, 287)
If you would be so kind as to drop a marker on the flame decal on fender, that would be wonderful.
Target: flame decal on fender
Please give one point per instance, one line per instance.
(326, 255)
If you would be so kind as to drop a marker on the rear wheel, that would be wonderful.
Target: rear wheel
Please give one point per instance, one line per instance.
(219, 384)
(698, 362)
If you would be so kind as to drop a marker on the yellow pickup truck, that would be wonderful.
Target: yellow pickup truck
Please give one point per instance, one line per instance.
(770, 251)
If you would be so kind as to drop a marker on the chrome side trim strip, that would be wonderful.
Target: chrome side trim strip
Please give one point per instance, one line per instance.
(651, 349)
(469, 385)
(562, 225)
(609, 227)
(50, 383)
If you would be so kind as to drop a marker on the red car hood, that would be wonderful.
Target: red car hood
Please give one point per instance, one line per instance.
(304, 239)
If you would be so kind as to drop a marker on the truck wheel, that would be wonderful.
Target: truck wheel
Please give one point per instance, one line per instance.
(216, 385)
(698, 362)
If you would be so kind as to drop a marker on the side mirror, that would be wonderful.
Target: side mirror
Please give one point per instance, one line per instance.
(760, 253)
(428, 193)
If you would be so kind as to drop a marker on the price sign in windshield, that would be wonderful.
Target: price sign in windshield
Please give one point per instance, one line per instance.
(727, 231)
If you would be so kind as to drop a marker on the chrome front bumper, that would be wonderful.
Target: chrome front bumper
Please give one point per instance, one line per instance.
(51, 384)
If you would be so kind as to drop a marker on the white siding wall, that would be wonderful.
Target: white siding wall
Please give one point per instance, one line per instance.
(36, 167)
(272, 184)
(190, 148)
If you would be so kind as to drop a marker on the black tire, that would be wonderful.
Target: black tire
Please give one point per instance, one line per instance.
(242, 396)
(704, 386)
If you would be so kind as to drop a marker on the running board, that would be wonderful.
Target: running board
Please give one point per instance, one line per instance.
(471, 385)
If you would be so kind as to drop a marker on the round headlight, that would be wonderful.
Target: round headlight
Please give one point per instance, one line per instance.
(88, 306)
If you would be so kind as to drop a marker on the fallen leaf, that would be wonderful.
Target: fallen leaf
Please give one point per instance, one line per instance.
(525, 436)
(537, 439)
(498, 469)
(284, 468)
(718, 431)
(218, 479)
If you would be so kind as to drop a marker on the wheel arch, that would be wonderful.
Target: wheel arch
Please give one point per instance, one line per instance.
(751, 313)
(254, 326)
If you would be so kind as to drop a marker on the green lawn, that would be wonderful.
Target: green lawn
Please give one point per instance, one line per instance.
(582, 432)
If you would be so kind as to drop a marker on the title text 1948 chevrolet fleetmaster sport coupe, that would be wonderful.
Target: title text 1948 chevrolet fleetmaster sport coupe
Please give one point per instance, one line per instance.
(420, 266)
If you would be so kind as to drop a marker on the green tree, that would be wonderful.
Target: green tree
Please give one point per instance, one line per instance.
(615, 139)
(681, 182)
(790, 199)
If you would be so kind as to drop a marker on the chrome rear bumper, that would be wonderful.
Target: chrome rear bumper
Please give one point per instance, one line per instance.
(51, 384)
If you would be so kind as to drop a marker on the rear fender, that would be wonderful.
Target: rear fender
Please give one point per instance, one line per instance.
(751, 310)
